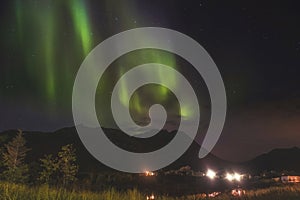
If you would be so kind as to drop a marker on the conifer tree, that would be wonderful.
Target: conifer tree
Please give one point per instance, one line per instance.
(67, 164)
(50, 167)
(14, 159)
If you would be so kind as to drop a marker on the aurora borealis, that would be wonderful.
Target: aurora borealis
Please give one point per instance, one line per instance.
(70, 21)
(40, 29)
(255, 45)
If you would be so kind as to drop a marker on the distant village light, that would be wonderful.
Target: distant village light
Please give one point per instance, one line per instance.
(290, 179)
(229, 177)
(148, 173)
(214, 194)
(233, 177)
(211, 174)
(150, 197)
(238, 192)
(237, 176)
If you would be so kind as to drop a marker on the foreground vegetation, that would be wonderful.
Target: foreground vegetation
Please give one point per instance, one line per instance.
(11, 191)
(291, 192)
(56, 175)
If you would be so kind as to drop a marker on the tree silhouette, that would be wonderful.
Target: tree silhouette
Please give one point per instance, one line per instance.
(67, 164)
(60, 169)
(50, 168)
(13, 159)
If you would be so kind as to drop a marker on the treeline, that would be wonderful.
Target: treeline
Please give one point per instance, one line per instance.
(60, 169)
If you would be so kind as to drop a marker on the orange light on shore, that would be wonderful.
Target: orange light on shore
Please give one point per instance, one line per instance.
(238, 192)
(148, 173)
(214, 194)
(150, 197)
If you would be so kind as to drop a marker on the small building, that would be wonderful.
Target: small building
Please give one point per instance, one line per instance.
(290, 179)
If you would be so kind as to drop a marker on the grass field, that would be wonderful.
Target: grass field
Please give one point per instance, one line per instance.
(9, 191)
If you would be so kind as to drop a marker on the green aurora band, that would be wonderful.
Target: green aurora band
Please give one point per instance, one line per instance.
(81, 23)
(40, 24)
(40, 27)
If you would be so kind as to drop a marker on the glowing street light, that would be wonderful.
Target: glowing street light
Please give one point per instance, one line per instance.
(230, 177)
(211, 174)
(237, 176)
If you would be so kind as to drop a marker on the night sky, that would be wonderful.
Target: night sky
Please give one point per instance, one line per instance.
(255, 44)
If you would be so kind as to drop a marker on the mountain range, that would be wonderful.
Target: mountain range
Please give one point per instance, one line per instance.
(42, 143)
